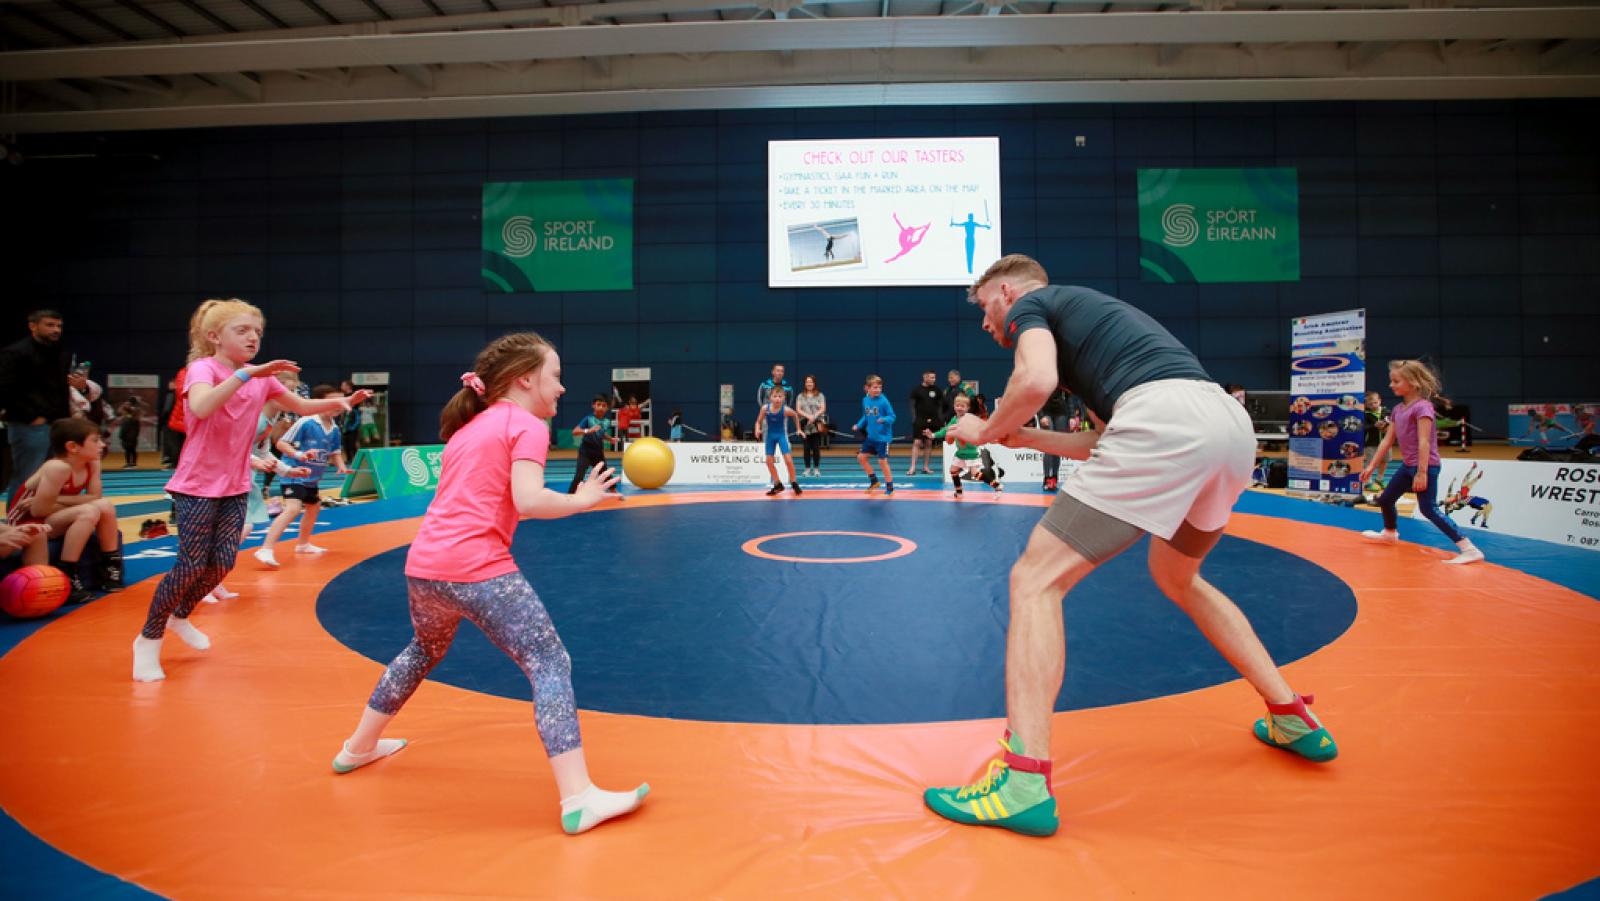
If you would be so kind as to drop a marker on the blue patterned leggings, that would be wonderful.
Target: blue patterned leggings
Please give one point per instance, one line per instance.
(208, 542)
(511, 615)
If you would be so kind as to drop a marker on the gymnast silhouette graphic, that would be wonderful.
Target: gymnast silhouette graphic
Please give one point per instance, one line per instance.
(911, 236)
(971, 225)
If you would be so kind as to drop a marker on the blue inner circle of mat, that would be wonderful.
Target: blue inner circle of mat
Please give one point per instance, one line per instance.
(829, 547)
(663, 615)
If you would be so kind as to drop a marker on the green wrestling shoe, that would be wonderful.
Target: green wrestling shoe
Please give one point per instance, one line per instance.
(1013, 794)
(1294, 728)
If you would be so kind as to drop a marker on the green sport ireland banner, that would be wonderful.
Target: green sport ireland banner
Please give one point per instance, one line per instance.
(558, 235)
(394, 471)
(1219, 225)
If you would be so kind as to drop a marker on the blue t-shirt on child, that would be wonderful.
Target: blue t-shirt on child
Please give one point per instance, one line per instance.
(872, 410)
(315, 442)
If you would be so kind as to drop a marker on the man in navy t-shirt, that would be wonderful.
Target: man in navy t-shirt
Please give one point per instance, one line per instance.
(1173, 455)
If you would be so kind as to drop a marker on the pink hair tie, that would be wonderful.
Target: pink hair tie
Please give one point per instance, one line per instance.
(471, 380)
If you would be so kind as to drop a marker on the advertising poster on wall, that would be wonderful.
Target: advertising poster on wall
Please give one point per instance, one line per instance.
(558, 235)
(719, 463)
(1020, 466)
(1557, 502)
(1199, 226)
(912, 211)
(1551, 426)
(1327, 382)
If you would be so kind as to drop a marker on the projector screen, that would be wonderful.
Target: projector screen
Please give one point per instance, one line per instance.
(902, 211)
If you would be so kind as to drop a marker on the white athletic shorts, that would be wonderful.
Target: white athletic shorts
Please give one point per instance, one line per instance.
(1173, 451)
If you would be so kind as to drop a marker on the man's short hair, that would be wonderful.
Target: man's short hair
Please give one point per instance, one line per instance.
(41, 315)
(601, 399)
(1015, 265)
(954, 372)
(321, 391)
(930, 372)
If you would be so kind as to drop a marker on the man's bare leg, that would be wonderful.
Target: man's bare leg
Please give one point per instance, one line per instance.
(1289, 724)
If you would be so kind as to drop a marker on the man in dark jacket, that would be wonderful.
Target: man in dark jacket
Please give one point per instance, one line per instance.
(33, 392)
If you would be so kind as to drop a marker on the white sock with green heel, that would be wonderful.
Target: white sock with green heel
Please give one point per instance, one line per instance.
(593, 806)
(346, 761)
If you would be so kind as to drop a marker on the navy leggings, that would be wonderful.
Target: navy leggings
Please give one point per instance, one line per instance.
(508, 611)
(1427, 501)
(208, 541)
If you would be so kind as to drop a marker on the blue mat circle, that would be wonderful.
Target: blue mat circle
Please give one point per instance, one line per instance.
(664, 616)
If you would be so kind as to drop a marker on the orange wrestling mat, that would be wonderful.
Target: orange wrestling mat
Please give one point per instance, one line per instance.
(1463, 702)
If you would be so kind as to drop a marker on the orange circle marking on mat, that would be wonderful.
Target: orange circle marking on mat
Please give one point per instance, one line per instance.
(753, 548)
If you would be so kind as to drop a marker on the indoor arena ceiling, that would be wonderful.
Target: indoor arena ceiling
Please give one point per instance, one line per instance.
(73, 65)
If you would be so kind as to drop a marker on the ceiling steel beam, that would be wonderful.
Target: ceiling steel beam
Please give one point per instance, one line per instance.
(808, 34)
(66, 94)
(321, 13)
(246, 86)
(208, 15)
(263, 12)
(814, 96)
(96, 21)
(1367, 52)
(38, 21)
(381, 12)
(421, 76)
(151, 17)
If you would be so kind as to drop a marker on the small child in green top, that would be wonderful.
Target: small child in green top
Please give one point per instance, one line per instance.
(968, 461)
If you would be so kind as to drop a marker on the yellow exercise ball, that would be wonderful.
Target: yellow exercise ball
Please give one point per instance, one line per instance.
(648, 463)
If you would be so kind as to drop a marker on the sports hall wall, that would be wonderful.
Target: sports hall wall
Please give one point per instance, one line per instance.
(1469, 230)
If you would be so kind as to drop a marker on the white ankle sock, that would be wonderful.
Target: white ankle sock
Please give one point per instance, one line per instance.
(593, 806)
(1385, 536)
(147, 660)
(222, 593)
(345, 761)
(1469, 553)
(185, 630)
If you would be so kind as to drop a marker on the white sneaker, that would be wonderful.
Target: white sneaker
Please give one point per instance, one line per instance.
(264, 555)
(1469, 554)
(309, 548)
(1384, 537)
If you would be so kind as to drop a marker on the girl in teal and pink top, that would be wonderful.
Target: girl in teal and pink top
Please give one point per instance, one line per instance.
(460, 565)
(222, 398)
(1412, 428)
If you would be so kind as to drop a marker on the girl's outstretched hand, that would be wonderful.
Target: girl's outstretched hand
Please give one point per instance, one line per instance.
(272, 367)
(592, 490)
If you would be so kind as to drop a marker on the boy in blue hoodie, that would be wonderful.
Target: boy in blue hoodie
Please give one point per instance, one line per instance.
(877, 422)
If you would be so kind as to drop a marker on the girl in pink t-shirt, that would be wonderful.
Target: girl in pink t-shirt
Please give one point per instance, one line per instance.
(222, 397)
(460, 566)
(1412, 428)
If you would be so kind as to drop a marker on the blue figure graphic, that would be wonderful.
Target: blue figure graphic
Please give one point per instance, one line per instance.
(972, 225)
